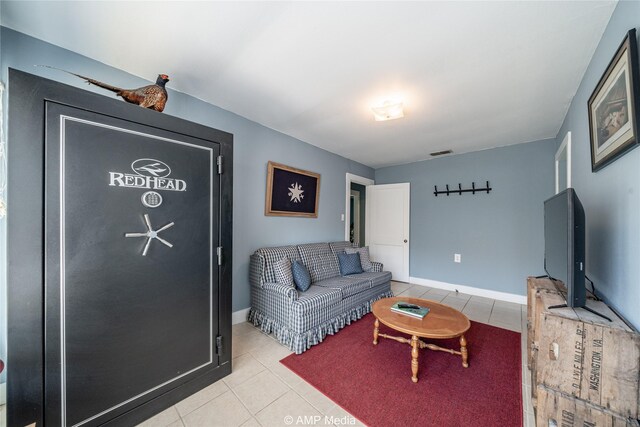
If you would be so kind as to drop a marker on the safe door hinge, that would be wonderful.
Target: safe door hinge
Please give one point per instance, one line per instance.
(219, 344)
(219, 253)
(219, 163)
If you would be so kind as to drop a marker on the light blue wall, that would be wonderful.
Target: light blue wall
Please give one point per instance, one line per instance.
(499, 235)
(611, 196)
(254, 146)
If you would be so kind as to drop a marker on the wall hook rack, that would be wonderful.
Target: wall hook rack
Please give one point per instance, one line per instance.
(459, 191)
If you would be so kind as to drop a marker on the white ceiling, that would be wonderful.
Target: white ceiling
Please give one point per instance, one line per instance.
(473, 75)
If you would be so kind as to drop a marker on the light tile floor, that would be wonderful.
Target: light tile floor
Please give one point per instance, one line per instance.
(262, 392)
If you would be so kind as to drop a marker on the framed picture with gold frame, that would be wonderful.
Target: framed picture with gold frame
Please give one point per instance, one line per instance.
(291, 191)
(614, 106)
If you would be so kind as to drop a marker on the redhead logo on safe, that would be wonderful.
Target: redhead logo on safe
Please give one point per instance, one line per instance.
(151, 167)
(149, 174)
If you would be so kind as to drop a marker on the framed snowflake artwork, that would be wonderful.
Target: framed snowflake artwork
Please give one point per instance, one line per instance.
(291, 191)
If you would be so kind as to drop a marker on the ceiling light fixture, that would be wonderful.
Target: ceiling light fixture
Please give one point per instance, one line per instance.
(388, 111)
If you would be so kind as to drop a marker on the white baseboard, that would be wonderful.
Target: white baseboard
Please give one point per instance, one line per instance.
(502, 296)
(239, 316)
(3, 393)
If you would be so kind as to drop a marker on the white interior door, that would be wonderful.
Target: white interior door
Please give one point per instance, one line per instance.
(387, 227)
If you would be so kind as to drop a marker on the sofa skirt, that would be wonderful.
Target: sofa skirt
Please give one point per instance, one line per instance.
(299, 342)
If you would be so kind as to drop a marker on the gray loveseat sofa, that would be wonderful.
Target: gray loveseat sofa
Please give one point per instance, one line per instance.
(300, 320)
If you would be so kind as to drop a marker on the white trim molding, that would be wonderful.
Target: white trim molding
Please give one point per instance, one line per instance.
(564, 154)
(240, 316)
(502, 296)
(347, 206)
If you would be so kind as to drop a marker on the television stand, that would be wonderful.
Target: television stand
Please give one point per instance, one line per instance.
(585, 307)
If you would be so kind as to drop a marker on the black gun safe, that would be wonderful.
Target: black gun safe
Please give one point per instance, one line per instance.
(119, 278)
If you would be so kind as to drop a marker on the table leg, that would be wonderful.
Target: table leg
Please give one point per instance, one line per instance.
(414, 358)
(463, 351)
(376, 328)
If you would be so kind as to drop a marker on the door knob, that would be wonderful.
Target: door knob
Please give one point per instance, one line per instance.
(405, 240)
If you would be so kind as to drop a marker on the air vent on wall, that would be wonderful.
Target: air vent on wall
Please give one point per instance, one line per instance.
(441, 153)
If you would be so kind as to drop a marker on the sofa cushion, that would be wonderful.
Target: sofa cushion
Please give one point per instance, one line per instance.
(375, 279)
(320, 261)
(365, 260)
(273, 255)
(300, 276)
(337, 247)
(349, 263)
(348, 285)
(315, 300)
(283, 272)
(377, 267)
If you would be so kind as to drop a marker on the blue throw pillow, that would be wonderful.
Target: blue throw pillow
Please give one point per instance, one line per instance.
(365, 259)
(301, 275)
(349, 263)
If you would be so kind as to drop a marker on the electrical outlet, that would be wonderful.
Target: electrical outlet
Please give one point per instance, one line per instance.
(457, 258)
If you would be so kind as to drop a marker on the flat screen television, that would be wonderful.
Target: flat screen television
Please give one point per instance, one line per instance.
(564, 244)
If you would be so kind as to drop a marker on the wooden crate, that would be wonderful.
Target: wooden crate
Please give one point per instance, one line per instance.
(543, 299)
(558, 409)
(536, 286)
(585, 356)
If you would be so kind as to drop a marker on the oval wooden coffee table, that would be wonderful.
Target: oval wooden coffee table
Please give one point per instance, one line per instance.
(442, 322)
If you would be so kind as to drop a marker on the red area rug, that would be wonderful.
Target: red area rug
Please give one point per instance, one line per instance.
(374, 382)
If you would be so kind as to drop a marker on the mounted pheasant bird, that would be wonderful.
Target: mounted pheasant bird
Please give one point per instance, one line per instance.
(151, 96)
